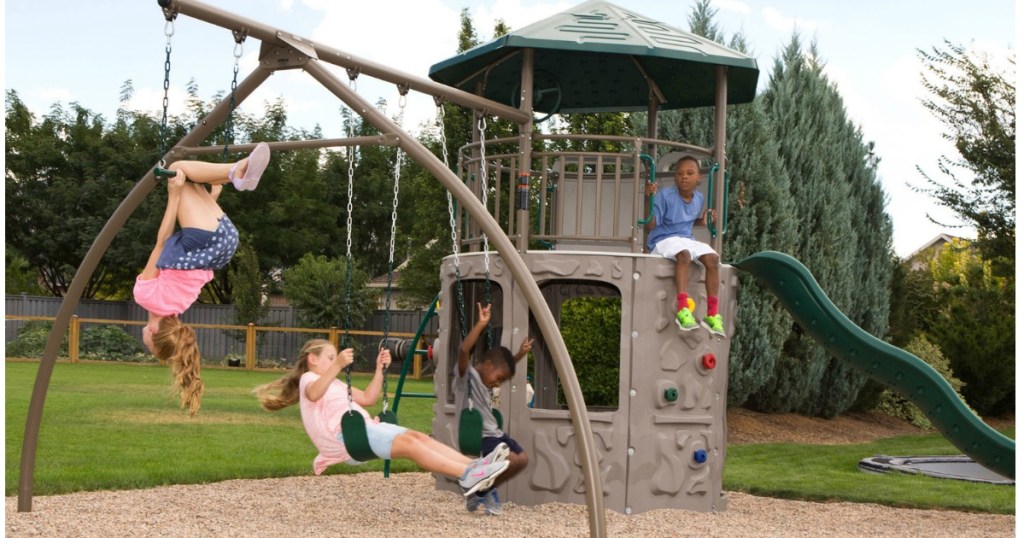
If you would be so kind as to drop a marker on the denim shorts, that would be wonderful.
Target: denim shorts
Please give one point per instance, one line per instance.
(381, 437)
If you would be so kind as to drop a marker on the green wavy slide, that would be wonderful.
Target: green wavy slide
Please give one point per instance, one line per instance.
(911, 377)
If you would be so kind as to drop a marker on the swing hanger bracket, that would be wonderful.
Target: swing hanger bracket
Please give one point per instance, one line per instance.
(170, 11)
(240, 35)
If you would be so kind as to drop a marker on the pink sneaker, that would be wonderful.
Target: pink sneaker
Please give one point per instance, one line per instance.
(258, 160)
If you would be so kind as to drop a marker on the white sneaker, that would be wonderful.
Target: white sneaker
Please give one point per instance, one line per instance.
(481, 477)
(498, 455)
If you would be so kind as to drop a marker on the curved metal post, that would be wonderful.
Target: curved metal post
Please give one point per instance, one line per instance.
(521, 274)
(85, 270)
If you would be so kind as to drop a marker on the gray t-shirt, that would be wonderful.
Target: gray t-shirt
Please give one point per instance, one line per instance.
(471, 386)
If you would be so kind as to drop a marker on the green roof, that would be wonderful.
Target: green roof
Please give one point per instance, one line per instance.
(598, 55)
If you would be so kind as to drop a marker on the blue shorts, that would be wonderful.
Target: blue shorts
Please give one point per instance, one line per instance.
(381, 437)
(489, 443)
(195, 248)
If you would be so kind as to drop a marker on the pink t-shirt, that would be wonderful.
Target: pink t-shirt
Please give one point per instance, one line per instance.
(172, 291)
(322, 420)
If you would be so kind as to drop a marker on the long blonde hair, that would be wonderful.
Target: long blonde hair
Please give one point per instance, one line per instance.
(176, 343)
(285, 391)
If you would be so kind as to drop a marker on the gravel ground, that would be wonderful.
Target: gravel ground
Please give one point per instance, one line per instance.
(407, 505)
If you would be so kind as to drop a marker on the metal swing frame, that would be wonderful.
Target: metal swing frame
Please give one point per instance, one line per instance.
(284, 50)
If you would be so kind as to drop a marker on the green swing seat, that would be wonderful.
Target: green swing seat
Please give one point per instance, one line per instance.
(353, 427)
(471, 430)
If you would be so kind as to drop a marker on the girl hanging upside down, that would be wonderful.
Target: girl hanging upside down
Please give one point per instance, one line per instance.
(323, 399)
(181, 264)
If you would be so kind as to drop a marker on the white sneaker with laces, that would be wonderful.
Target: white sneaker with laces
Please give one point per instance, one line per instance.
(478, 478)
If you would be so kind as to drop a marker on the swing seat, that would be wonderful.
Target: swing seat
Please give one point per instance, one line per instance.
(388, 416)
(471, 430)
(353, 427)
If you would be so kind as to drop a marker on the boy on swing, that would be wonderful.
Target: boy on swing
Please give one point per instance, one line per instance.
(476, 384)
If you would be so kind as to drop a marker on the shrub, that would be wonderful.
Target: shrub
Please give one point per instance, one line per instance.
(590, 328)
(111, 343)
(31, 340)
(895, 405)
(97, 342)
(316, 287)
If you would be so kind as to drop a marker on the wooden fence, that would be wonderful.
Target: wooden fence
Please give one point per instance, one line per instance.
(274, 343)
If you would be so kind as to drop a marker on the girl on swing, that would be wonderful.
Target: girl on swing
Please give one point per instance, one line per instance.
(323, 399)
(182, 263)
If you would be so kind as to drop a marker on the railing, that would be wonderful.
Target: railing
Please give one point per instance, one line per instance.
(580, 200)
(251, 331)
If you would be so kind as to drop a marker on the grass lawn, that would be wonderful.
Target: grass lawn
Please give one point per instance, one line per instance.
(117, 426)
(830, 473)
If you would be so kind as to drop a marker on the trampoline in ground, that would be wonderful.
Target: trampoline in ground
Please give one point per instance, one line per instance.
(954, 467)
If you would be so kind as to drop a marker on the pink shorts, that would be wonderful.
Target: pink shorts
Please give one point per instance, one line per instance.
(672, 246)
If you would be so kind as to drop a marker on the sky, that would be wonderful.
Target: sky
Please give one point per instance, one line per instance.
(73, 51)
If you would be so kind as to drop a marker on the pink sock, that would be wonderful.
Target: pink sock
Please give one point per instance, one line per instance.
(712, 305)
(681, 301)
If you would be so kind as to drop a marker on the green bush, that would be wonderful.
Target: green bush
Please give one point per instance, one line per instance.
(974, 325)
(31, 340)
(590, 328)
(895, 405)
(111, 343)
(97, 342)
(316, 287)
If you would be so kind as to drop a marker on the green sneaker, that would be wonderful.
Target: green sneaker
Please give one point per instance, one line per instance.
(685, 321)
(714, 324)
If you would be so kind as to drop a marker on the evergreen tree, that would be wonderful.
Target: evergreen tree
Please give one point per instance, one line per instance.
(843, 231)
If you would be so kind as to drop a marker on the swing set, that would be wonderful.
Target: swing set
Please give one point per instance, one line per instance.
(282, 50)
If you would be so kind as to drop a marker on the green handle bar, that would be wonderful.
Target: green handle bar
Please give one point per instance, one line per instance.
(650, 199)
(725, 204)
(711, 200)
(797, 290)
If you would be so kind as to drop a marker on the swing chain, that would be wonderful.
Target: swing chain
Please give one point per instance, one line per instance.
(403, 90)
(348, 247)
(451, 221)
(483, 198)
(229, 126)
(348, 266)
(169, 32)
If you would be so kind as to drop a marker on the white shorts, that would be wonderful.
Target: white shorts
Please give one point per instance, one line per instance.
(672, 246)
